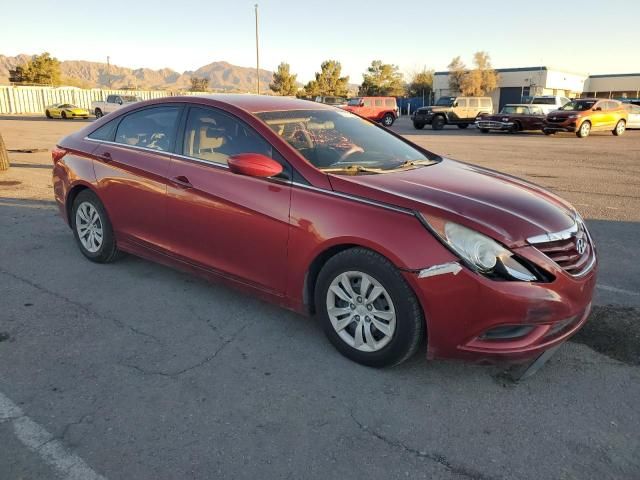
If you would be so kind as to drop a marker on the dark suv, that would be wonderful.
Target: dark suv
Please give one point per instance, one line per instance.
(460, 111)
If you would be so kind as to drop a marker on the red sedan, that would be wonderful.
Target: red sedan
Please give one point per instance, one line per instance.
(323, 212)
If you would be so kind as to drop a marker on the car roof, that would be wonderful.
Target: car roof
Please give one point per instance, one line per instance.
(521, 105)
(264, 103)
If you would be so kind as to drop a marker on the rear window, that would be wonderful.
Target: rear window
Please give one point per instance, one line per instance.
(473, 102)
(390, 102)
(485, 102)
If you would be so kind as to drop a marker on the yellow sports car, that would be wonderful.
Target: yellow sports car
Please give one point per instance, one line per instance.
(65, 110)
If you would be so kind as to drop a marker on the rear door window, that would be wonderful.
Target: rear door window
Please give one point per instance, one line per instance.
(473, 103)
(485, 103)
(378, 102)
(106, 132)
(390, 102)
(153, 128)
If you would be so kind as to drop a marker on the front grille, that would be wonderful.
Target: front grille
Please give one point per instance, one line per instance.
(555, 120)
(575, 254)
(489, 124)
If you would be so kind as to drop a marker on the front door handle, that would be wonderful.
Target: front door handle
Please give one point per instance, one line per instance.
(105, 156)
(182, 181)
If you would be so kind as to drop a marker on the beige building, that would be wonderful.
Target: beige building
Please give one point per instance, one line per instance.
(516, 83)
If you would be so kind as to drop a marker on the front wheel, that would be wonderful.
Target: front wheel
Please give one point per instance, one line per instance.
(418, 125)
(368, 311)
(388, 120)
(584, 130)
(92, 229)
(437, 123)
(620, 128)
(48, 114)
(484, 130)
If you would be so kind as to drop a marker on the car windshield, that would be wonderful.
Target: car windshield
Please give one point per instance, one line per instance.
(67, 105)
(130, 98)
(544, 100)
(338, 141)
(445, 101)
(519, 109)
(354, 102)
(579, 105)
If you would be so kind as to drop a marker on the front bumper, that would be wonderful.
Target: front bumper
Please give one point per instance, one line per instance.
(567, 126)
(493, 125)
(461, 308)
(423, 118)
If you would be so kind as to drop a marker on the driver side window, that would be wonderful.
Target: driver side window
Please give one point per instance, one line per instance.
(213, 136)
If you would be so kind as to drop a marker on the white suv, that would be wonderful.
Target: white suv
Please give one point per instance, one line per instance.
(549, 103)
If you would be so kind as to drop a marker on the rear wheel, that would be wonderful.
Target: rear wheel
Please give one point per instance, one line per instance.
(48, 114)
(584, 130)
(388, 120)
(437, 123)
(98, 113)
(92, 229)
(621, 126)
(463, 125)
(418, 125)
(368, 311)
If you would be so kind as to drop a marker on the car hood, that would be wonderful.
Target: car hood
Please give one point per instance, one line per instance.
(564, 113)
(499, 205)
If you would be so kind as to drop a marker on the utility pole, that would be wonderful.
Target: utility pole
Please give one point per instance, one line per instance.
(108, 72)
(257, 53)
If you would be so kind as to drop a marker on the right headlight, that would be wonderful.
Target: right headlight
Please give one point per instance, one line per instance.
(484, 254)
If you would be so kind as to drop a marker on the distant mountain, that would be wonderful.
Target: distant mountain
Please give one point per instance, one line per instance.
(222, 76)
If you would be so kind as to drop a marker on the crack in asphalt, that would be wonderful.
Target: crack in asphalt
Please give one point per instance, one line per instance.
(434, 457)
(204, 361)
(119, 323)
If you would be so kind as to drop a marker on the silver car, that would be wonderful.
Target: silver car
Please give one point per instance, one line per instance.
(634, 115)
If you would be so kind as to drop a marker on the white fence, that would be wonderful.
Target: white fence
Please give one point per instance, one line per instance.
(35, 99)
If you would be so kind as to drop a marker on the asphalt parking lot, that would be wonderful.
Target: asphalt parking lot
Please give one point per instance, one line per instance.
(135, 371)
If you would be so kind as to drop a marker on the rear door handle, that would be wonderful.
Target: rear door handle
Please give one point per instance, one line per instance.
(182, 181)
(105, 156)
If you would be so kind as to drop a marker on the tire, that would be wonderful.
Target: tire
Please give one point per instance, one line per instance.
(83, 207)
(584, 130)
(515, 128)
(484, 130)
(437, 123)
(64, 115)
(387, 120)
(396, 302)
(463, 125)
(548, 132)
(98, 113)
(621, 126)
(418, 126)
(48, 114)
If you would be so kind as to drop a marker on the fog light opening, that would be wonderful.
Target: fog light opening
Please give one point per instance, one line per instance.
(507, 332)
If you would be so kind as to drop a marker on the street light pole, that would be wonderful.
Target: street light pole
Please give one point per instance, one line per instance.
(257, 53)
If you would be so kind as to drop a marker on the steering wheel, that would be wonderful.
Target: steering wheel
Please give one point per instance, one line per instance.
(352, 149)
(306, 138)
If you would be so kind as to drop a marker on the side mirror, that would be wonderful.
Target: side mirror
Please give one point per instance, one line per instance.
(455, 104)
(254, 165)
(361, 104)
(597, 109)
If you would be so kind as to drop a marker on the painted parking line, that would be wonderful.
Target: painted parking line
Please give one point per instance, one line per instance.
(609, 288)
(67, 464)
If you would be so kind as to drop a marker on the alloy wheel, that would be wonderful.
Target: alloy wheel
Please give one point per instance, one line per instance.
(89, 227)
(361, 311)
(620, 127)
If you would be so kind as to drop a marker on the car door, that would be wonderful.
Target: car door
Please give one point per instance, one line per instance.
(460, 109)
(233, 224)
(131, 165)
(599, 116)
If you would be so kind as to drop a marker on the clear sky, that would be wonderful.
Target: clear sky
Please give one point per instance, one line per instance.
(589, 36)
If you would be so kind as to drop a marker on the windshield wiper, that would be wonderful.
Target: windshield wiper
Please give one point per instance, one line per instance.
(413, 163)
(353, 169)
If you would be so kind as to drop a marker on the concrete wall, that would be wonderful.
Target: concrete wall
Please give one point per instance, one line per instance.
(628, 84)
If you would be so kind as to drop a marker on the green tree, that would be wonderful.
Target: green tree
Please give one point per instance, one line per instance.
(328, 81)
(480, 81)
(457, 72)
(284, 82)
(382, 79)
(41, 70)
(421, 84)
(199, 84)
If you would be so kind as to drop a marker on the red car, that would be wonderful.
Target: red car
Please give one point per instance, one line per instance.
(378, 109)
(324, 212)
